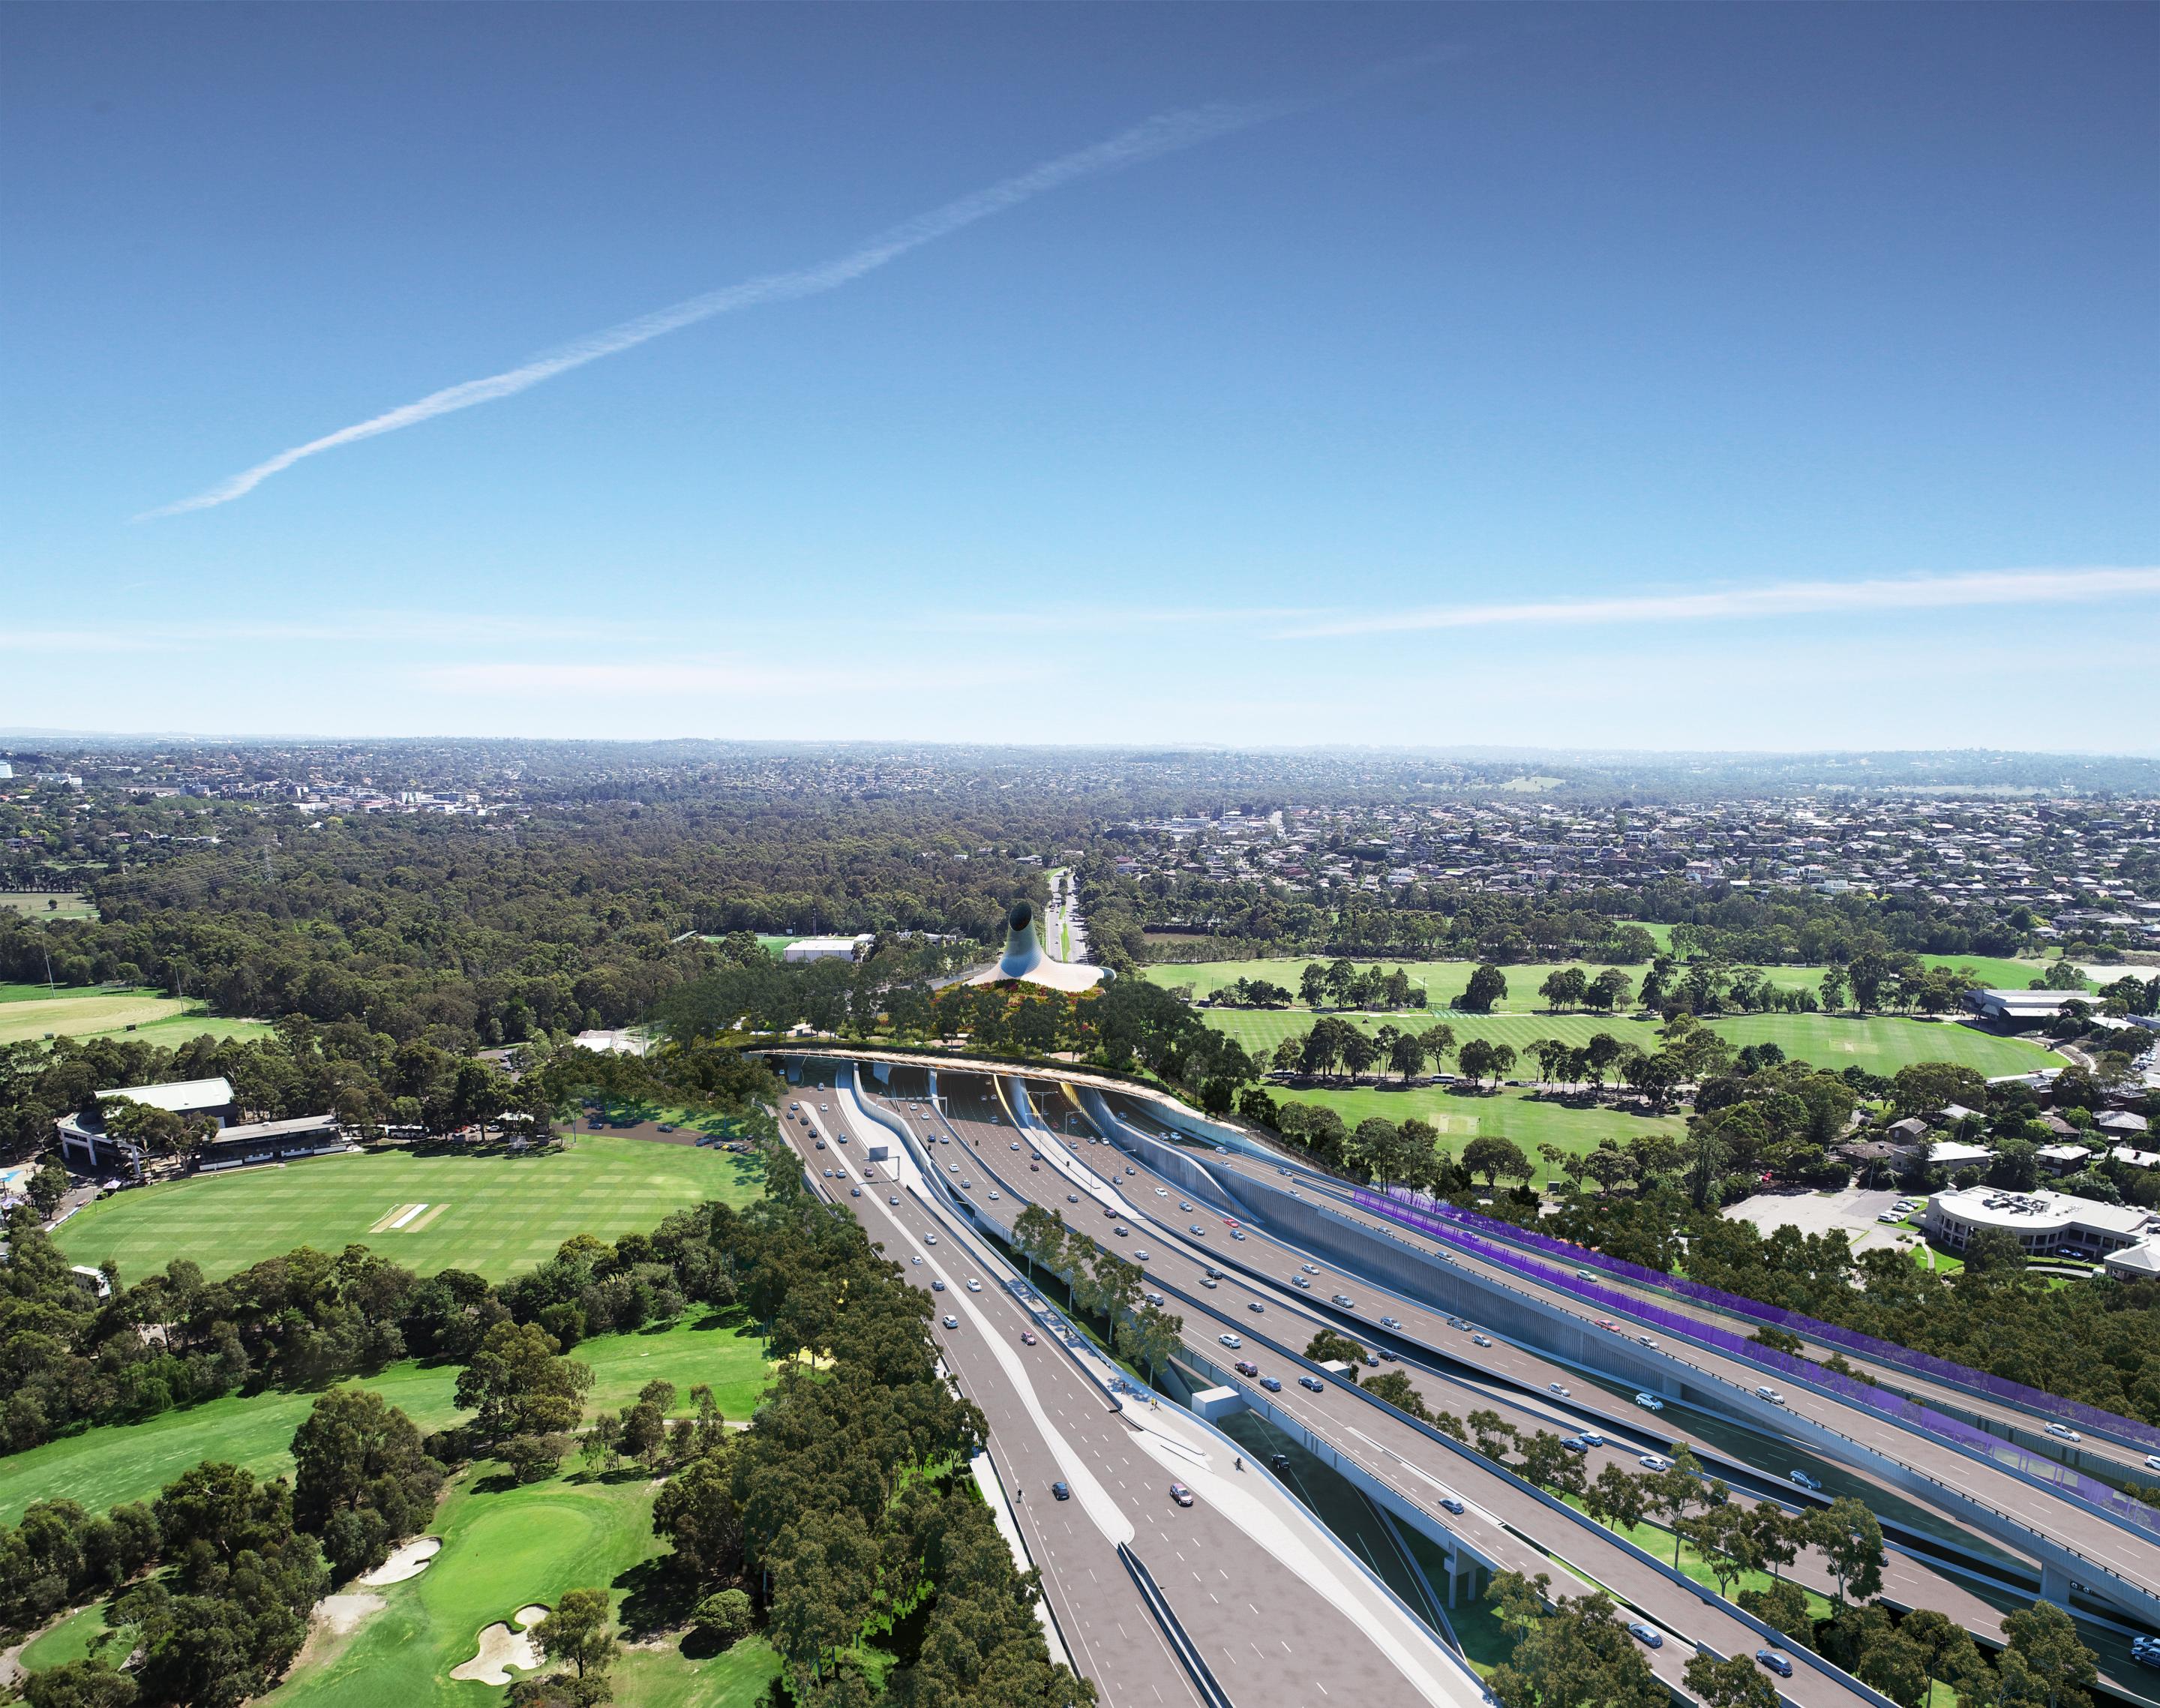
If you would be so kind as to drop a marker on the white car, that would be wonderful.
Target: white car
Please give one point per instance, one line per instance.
(952, 1322)
(930, 1240)
(1649, 1402)
(1479, 1340)
(1770, 1394)
(1230, 1340)
(993, 1195)
(1555, 1387)
(2064, 1432)
(1654, 1461)
(974, 1285)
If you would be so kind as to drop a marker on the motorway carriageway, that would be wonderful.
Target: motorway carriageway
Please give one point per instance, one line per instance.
(1501, 1522)
(2118, 1552)
(1269, 1640)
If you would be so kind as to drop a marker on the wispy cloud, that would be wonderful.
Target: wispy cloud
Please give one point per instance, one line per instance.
(662, 678)
(1779, 600)
(1166, 133)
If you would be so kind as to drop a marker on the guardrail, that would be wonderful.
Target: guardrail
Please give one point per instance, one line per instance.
(1882, 1351)
(1188, 1655)
(2099, 1498)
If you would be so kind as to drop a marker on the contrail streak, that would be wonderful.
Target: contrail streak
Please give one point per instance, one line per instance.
(1166, 133)
(1781, 599)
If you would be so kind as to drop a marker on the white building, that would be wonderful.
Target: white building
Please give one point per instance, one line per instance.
(85, 1145)
(2024, 1008)
(2047, 1224)
(826, 948)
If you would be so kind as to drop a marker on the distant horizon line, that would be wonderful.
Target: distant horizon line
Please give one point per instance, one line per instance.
(895, 743)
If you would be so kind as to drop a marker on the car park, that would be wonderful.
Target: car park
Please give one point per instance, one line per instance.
(1312, 1382)
(1059, 1491)
(1272, 1383)
(1180, 1493)
(1779, 1663)
(1654, 1461)
(1801, 1479)
(1649, 1402)
(1645, 1634)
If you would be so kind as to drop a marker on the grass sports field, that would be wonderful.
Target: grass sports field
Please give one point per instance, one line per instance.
(1444, 981)
(492, 1214)
(1508, 1114)
(1880, 1044)
(28, 1012)
(101, 1468)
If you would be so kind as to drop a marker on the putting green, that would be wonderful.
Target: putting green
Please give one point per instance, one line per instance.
(491, 1213)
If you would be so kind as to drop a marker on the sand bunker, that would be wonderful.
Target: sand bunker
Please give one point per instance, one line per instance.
(341, 1615)
(501, 1649)
(408, 1561)
(526, 1617)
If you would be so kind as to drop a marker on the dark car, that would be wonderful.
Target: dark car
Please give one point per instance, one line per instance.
(1781, 1664)
(1059, 1491)
(1279, 1464)
(1246, 1367)
(1645, 1635)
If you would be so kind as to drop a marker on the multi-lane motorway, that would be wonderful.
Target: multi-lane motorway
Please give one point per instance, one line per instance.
(996, 1151)
(1284, 1622)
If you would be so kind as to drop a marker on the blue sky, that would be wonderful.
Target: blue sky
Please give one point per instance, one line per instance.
(1666, 376)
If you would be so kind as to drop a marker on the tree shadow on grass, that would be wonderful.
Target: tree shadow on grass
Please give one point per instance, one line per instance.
(657, 1597)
